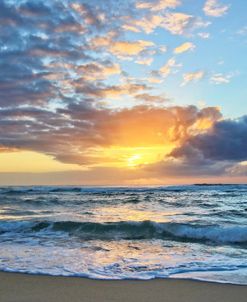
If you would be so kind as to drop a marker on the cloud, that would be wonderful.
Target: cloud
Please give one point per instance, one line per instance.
(158, 5)
(240, 169)
(145, 61)
(187, 46)
(219, 78)
(214, 8)
(127, 48)
(226, 141)
(7, 150)
(168, 68)
(154, 79)
(204, 35)
(185, 169)
(151, 99)
(98, 71)
(181, 23)
(219, 150)
(30, 38)
(176, 23)
(116, 91)
(192, 77)
(147, 23)
(73, 133)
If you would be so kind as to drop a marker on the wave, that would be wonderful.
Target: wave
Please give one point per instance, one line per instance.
(133, 230)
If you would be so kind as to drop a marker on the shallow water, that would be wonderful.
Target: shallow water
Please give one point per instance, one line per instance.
(197, 232)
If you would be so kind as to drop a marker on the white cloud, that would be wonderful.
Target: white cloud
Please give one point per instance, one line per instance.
(148, 24)
(220, 78)
(154, 80)
(187, 46)
(168, 67)
(175, 22)
(204, 35)
(158, 5)
(144, 61)
(192, 77)
(126, 48)
(214, 8)
(181, 24)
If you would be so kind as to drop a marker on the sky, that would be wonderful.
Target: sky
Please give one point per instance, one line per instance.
(123, 92)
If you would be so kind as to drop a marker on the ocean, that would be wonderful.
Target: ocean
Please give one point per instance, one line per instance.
(191, 232)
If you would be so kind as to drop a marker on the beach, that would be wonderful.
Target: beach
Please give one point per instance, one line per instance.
(17, 287)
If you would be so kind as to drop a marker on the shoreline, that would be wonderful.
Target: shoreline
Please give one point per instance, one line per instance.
(120, 280)
(44, 288)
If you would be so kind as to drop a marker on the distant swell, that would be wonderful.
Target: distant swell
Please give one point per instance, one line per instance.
(38, 190)
(120, 190)
(132, 230)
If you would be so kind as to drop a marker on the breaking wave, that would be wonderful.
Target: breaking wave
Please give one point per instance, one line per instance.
(133, 230)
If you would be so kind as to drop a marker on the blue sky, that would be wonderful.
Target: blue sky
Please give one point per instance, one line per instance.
(223, 53)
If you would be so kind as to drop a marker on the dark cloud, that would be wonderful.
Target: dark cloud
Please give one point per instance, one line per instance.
(69, 133)
(187, 168)
(38, 42)
(227, 140)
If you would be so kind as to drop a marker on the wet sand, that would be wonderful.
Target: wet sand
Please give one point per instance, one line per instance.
(16, 287)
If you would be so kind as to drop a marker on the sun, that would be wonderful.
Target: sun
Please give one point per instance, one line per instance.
(136, 157)
(131, 157)
(134, 160)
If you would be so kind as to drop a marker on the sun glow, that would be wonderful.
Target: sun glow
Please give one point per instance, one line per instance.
(134, 160)
(115, 156)
(144, 156)
(133, 157)
(27, 161)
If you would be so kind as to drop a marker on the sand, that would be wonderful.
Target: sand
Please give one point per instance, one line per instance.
(32, 288)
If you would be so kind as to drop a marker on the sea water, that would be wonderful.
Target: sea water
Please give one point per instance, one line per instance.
(194, 232)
